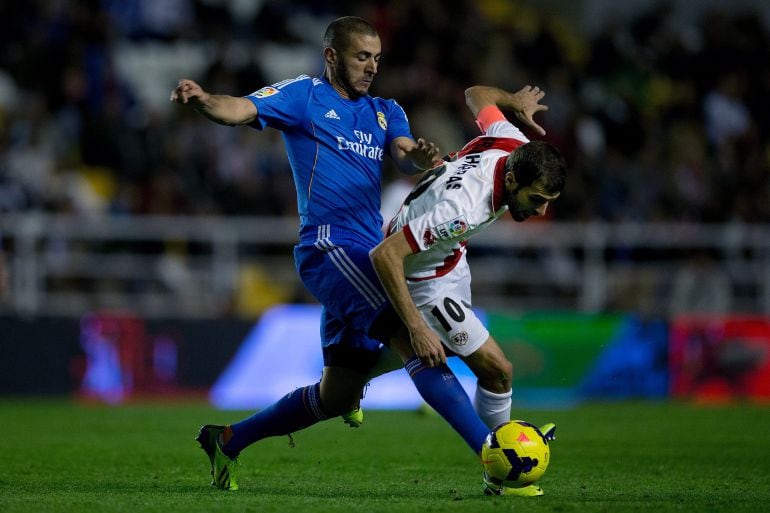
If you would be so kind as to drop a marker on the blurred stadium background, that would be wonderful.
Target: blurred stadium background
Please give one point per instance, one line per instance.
(149, 250)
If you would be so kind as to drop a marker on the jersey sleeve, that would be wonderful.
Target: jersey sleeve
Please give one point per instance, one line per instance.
(447, 221)
(281, 105)
(397, 123)
(506, 129)
(493, 123)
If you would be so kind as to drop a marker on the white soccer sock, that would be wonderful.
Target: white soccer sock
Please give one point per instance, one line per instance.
(494, 409)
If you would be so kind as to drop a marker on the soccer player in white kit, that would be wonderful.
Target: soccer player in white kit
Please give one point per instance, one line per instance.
(422, 263)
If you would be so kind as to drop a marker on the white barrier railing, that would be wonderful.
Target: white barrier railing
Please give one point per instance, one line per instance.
(189, 267)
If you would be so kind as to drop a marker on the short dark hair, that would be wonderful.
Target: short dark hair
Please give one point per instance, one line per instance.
(338, 32)
(538, 160)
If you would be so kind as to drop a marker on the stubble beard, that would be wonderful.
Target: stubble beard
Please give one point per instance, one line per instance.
(518, 216)
(343, 79)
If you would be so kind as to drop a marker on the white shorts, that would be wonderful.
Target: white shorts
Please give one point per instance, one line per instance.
(445, 304)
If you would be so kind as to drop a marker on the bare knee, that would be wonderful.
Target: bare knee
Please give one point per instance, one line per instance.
(497, 376)
(490, 365)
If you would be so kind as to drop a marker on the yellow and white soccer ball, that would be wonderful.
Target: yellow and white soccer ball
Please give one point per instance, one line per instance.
(515, 454)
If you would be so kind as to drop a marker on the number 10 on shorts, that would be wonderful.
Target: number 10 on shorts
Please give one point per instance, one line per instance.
(458, 326)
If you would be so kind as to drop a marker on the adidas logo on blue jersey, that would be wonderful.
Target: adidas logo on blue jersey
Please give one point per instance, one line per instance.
(331, 115)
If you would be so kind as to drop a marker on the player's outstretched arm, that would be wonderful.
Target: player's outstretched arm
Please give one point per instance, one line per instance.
(524, 103)
(388, 261)
(413, 157)
(220, 108)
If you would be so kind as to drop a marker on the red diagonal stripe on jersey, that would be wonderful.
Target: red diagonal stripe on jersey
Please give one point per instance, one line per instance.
(485, 143)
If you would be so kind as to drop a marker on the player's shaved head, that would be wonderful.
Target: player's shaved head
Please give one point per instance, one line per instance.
(338, 32)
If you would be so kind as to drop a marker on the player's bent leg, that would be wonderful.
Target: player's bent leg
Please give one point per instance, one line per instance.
(387, 361)
(441, 389)
(493, 391)
(295, 411)
(341, 390)
(490, 365)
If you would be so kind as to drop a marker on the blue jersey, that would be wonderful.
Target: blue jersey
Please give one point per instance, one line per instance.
(335, 147)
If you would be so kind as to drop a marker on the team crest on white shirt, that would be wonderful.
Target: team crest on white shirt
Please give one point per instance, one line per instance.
(381, 120)
(453, 228)
(265, 92)
(460, 339)
(428, 238)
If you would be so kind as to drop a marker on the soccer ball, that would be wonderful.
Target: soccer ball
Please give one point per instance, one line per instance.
(515, 454)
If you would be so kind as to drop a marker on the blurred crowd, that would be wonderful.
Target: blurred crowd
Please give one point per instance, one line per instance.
(659, 121)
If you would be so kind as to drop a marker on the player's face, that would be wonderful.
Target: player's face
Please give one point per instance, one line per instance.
(354, 69)
(525, 202)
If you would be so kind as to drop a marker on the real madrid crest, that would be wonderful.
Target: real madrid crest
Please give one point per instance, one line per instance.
(381, 120)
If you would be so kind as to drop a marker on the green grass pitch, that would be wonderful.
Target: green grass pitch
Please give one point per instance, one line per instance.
(57, 456)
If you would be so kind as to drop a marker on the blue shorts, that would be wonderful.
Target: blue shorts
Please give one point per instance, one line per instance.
(336, 269)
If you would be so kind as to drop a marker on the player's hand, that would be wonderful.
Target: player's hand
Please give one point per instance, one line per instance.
(422, 153)
(188, 91)
(427, 347)
(526, 101)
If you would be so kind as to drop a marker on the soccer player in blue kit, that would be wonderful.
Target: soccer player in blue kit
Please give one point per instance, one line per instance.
(336, 136)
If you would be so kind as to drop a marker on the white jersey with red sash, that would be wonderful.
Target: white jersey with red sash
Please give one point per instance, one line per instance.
(450, 203)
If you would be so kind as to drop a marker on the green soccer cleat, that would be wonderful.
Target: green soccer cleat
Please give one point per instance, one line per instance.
(490, 488)
(222, 467)
(549, 431)
(526, 491)
(207, 437)
(354, 418)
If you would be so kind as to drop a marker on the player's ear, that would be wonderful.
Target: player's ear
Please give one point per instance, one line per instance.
(330, 55)
(510, 180)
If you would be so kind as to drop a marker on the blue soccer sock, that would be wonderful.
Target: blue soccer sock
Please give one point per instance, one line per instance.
(442, 391)
(294, 411)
